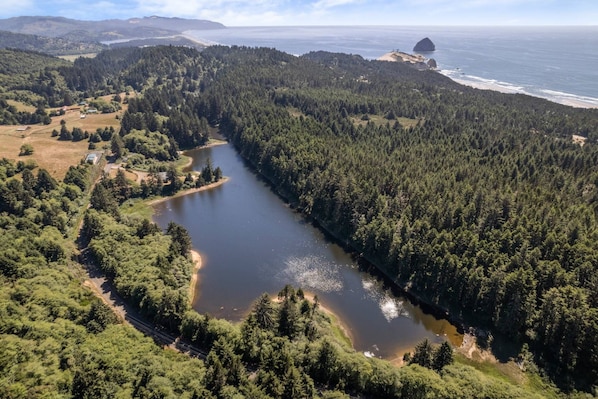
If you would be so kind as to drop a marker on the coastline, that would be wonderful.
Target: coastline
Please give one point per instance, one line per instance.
(568, 100)
(562, 98)
(194, 39)
(197, 264)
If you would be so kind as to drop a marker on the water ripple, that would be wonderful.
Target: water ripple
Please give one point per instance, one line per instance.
(390, 306)
(312, 272)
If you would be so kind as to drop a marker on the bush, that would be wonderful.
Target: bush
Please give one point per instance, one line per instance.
(26, 149)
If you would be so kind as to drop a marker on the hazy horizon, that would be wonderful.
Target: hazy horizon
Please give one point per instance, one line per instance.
(240, 13)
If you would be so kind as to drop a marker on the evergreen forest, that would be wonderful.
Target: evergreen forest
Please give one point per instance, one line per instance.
(478, 203)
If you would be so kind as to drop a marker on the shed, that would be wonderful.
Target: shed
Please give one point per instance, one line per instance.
(92, 158)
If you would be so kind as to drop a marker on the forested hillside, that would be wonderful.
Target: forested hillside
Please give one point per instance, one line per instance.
(47, 45)
(477, 202)
(105, 30)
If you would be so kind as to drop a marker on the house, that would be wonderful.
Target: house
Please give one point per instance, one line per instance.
(163, 176)
(92, 158)
(23, 128)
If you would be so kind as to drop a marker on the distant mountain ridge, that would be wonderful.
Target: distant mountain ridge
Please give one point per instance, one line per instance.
(47, 45)
(105, 30)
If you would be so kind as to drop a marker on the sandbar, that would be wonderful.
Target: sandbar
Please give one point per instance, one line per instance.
(196, 257)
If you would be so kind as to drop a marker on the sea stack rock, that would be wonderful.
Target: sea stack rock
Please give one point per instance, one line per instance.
(424, 45)
(432, 63)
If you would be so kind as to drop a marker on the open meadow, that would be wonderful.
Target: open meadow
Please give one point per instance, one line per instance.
(48, 152)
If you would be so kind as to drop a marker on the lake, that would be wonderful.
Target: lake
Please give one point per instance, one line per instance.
(252, 242)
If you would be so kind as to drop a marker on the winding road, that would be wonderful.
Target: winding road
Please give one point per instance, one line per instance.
(105, 290)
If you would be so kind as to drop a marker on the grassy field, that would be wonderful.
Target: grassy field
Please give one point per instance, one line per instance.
(49, 153)
(379, 120)
(20, 106)
(75, 56)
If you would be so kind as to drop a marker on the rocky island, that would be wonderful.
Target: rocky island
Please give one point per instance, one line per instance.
(425, 45)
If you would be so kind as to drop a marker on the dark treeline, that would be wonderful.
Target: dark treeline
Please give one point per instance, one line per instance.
(476, 201)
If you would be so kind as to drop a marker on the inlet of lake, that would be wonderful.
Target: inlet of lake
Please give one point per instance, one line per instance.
(252, 242)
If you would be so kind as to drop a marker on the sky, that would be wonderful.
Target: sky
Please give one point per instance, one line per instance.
(323, 12)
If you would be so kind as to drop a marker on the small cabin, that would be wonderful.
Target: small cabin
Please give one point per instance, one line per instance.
(92, 158)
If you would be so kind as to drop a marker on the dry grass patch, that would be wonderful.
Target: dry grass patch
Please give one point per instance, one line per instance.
(579, 140)
(379, 120)
(21, 106)
(73, 57)
(51, 154)
(295, 112)
(408, 122)
(131, 176)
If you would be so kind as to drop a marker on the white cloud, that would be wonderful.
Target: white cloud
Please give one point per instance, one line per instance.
(17, 7)
(324, 4)
(230, 12)
(316, 12)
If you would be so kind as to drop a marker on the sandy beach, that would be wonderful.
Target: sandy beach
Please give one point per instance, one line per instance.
(564, 100)
(571, 101)
(188, 36)
(196, 257)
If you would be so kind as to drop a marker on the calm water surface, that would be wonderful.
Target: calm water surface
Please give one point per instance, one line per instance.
(251, 242)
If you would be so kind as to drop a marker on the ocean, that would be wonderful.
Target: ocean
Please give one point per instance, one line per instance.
(556, 63)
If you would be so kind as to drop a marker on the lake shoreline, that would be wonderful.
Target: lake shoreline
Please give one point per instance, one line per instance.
(336, 320)
(340, 326)
(182, 193)
(197, 264)
(211, 143)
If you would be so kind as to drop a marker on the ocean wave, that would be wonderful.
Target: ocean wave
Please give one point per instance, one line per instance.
(506, 87)
(482, 83)
(569, 96)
